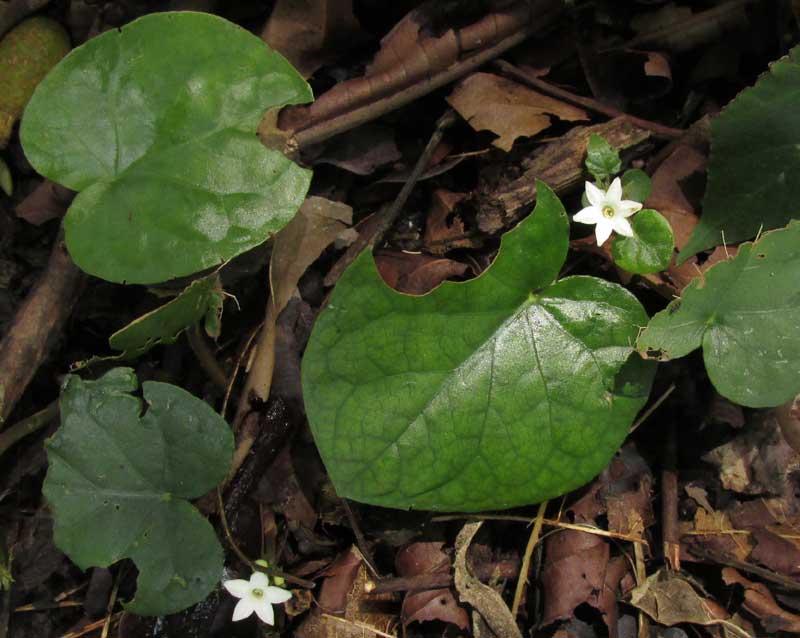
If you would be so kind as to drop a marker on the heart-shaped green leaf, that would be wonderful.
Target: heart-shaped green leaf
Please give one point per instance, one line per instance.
(745, 313)
(164, 324)
(500, 391)
(650, 249)
(755, 161)
(119, 481)
(155, 125)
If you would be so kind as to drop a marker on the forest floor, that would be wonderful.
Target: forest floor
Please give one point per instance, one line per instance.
(693, 529)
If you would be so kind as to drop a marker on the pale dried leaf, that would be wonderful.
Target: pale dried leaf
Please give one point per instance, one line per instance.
(508, 109)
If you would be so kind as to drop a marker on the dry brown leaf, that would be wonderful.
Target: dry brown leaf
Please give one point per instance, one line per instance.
(442, 233)
(485, 601)
(362, 150)
(47, 201)
(417, 49)
(415, 273)
(758, 461)
(508, 109)
(788, 416)
(668, 197)
(671, 600)
(573, 574)
(435, 604)
(306, 32)
(315, 226)
(760, 602)
(343, 593)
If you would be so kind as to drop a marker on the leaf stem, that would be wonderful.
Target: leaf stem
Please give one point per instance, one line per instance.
(28, 426)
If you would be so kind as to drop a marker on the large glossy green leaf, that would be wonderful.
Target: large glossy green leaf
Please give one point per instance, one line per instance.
(165, 324)
(745, 313)
(155, 124)
(755, 163)
(500, 391)
(119, 481)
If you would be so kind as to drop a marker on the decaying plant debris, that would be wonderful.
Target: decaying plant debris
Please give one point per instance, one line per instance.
(432, 123)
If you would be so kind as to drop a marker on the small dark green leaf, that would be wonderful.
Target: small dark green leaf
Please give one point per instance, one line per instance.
(164, 324)
(500, 391)
(650, 249)
(754, 167)
(155, 125)
(744, 313)
(119, 485)
(636, 185)
(602, 159)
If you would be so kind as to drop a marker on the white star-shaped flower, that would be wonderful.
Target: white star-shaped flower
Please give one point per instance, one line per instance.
(608, 210)
(257, 596)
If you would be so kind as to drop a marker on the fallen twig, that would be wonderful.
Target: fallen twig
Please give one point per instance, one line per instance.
(37, 325)
(659, 130)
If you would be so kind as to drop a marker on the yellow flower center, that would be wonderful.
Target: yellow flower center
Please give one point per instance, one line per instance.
(608, 212)
(258, 593)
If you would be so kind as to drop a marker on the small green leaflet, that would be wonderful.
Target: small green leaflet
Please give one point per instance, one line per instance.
(163, 325)
(754, 167)
(155, 126)
(602, 159)
(501, 391)
(745, 313)
(119, 485)
(636, 185)
(650, 249)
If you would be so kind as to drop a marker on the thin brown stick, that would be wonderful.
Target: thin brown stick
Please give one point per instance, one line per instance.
(535, 537)
(37, 325)
(669, 502)
(723, 559)
(91, 627)
(580, 527)
(109, 610)
(361, 541)
(419, 582)
(659, 130)
(656, 404)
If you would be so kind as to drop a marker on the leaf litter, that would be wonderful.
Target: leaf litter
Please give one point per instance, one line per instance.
(598, 568)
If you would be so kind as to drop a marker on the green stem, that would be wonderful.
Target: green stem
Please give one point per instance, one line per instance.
(28, 426)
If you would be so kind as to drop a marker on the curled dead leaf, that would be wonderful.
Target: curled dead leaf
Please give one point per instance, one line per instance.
(508, 109)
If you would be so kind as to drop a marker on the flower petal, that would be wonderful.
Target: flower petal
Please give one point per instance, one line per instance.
(264, 611)
(628, 207)
(277, 595)
(243, 609)
(595, 196)
(589, 215)
(614, 192)
(622, 226)
(259, 580)
(603, 231)
(237, 587)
